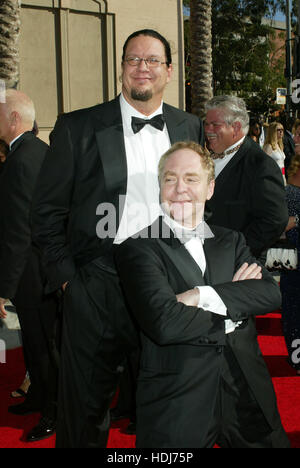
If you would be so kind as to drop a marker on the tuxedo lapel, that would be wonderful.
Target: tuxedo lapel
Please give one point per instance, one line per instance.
(187, 268)
(227, 171)
(182, 260)
(211, 256)
(111, 148)
(176, 124)
(184, 263)
(214, 250)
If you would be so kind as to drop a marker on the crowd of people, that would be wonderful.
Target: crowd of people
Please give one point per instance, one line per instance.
(283, 145)
(158, 302)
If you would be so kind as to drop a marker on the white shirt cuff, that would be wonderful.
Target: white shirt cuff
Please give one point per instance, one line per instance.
(210, 300)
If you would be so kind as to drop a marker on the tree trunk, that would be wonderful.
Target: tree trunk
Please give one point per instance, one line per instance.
(201, 54)
(9, 34)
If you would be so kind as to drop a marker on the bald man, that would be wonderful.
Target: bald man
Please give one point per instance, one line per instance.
(21, 277)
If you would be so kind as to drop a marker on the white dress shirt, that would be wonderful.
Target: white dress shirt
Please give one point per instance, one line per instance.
(143, 152)
(209, 298)
(220, 164)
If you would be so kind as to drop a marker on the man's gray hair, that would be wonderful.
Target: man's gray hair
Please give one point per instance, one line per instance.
(18, 101)
(235, 110)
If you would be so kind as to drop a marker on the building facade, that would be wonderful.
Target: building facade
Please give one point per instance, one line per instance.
(70, 51)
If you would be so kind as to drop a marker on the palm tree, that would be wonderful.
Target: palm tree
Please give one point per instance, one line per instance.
(201, 54)
(9, 34)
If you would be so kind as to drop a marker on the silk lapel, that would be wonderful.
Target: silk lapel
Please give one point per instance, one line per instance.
(111, 147)
(188, 268)
(181, 259)
(213, 249)
(176, 124)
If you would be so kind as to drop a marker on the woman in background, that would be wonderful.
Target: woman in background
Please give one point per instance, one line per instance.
(255, 131)
(274, 144)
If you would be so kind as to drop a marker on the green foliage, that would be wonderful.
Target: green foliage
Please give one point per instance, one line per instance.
(242, 51)
(242, 47)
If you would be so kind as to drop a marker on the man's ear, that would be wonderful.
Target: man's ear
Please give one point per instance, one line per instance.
(14, 118)
(237, 127)
(170, 73)
(211, 189)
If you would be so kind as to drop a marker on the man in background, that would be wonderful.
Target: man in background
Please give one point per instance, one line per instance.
(249, 195)
(21, 274)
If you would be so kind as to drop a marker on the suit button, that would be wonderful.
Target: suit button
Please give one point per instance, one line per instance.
(219, 349)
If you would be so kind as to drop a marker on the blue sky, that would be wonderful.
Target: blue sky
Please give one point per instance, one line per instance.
(279, 16)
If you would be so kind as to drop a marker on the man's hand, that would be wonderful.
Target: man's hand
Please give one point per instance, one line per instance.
(3, 312)
(64, 286)
(189, 298)
(247, 272)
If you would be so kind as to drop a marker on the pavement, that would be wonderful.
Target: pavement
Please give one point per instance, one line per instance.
(10, 331)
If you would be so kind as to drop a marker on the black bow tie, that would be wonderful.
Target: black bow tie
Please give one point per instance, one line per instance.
(157, 122)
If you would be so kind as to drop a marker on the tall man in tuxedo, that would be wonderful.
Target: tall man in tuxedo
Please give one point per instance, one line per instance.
(21, 275)
(202, 379)
(101, 158)
(249, 194)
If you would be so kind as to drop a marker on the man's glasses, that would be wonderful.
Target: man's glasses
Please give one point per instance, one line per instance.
(150, 62)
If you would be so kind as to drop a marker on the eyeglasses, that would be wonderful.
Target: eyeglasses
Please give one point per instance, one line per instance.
(279, 129)
(150, 62)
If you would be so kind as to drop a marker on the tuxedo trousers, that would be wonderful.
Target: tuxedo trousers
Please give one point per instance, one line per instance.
(238, 420)
(97, 336)
(37, 314)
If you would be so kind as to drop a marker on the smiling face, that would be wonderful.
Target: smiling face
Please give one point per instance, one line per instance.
(219, 134)
(141, 83)
(185, 187)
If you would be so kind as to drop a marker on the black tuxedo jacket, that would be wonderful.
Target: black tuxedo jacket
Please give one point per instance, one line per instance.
(182, 345)
(85, 166)
(19, 263)
(250, 197)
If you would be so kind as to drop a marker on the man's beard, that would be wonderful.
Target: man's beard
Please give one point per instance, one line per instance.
(143, 96)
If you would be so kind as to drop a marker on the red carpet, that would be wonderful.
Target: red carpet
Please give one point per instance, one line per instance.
(13, 429)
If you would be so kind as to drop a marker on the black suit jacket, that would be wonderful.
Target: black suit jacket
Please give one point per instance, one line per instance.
(250, 197)
(85, 166)
(182, 345)
(20, 268)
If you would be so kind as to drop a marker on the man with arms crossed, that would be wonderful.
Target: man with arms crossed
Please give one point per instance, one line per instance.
(195, 292)
(98, 155)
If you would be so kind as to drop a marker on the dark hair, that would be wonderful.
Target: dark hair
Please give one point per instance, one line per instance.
(155, 35)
